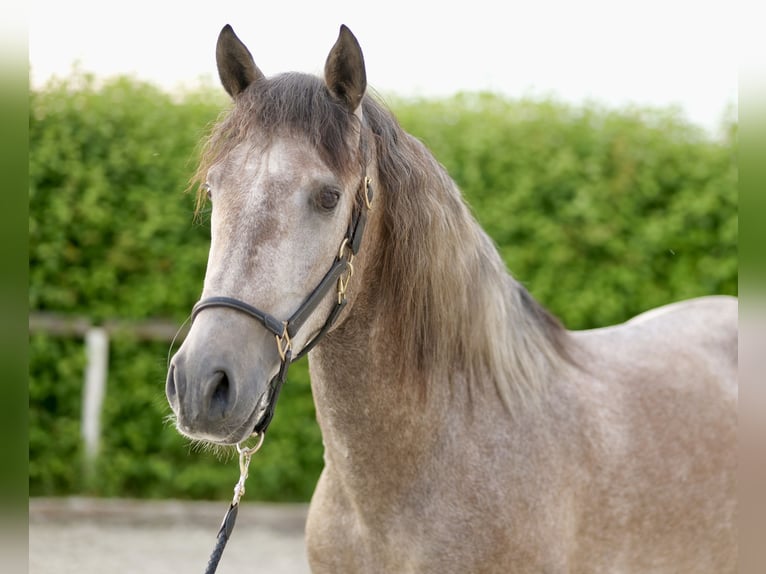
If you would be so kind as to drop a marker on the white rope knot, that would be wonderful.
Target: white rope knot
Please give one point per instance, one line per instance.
(239, 489)
(245, 454)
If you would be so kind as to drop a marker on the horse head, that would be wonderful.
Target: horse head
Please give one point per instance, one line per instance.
(285, 172)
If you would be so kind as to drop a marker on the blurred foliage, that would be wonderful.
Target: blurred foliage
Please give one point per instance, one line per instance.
(601, 213)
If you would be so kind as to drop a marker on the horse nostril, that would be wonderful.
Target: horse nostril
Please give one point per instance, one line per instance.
(219, 399)
(170, 385)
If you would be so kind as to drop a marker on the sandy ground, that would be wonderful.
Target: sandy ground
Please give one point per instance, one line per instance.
(86, 536)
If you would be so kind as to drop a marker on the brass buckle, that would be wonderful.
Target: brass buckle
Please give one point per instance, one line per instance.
(284, 343)
(343, 281)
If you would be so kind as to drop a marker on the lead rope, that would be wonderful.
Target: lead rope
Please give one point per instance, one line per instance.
(230, 518)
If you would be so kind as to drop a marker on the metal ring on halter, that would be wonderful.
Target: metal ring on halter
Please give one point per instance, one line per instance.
(343, 246)
(250, 451)
(343, 282)
(366, 194)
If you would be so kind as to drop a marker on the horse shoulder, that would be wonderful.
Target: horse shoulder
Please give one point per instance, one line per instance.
(659, 400)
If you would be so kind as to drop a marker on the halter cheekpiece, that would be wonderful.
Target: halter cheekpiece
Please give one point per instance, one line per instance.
(337, 276)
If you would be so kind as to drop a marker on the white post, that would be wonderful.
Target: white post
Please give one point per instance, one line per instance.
(97, 353)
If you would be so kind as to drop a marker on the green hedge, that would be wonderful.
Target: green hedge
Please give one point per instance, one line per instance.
(601, 213)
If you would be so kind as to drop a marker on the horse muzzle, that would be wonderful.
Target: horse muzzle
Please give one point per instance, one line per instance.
(220, 390)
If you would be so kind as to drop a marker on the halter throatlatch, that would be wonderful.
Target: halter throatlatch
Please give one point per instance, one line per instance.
(338, 276)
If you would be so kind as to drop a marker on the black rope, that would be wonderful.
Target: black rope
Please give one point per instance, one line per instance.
(223, 537)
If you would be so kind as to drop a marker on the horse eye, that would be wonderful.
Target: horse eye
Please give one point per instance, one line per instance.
(208, 191)
(327, 198)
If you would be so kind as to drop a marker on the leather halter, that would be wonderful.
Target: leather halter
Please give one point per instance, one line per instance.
(338, 275)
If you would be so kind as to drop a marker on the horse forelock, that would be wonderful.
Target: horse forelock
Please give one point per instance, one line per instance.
(289, 104)
(451, 301)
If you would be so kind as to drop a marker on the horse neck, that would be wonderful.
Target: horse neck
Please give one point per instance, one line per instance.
(364, 382)
(371, 409)
(438, 335)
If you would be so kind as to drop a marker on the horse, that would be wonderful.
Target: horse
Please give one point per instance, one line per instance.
(465, 429)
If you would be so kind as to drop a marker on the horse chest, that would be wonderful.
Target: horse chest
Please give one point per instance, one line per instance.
(441, 534)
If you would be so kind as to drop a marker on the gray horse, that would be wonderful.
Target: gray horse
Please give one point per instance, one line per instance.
(465, 430)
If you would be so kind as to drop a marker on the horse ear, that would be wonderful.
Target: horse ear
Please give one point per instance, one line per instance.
(344, 71)
(236, 66)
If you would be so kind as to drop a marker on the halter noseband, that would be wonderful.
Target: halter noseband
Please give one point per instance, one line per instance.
(339, 274)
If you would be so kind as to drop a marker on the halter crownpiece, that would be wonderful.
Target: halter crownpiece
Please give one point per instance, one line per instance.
(338, 275)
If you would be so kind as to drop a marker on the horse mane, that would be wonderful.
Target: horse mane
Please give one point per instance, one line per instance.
(452, 303)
